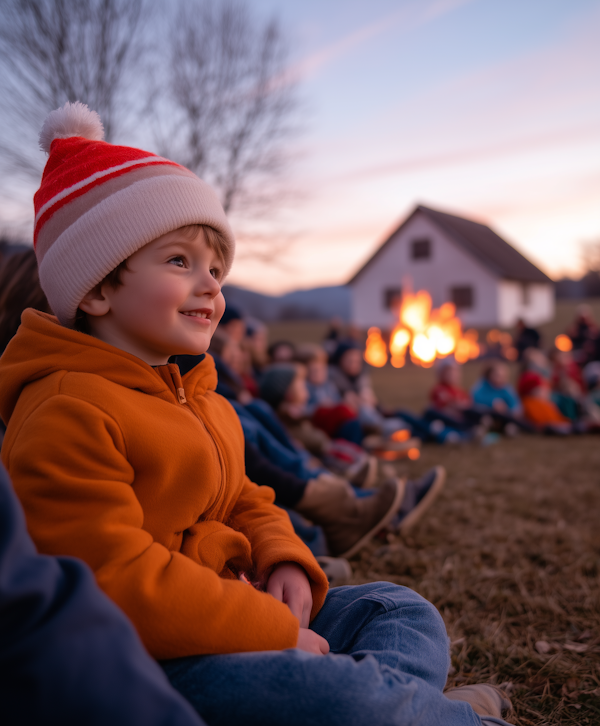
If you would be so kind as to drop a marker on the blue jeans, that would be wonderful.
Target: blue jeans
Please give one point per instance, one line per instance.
(387, 667)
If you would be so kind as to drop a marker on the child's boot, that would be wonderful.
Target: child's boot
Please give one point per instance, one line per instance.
(488, 701)
(349, 522)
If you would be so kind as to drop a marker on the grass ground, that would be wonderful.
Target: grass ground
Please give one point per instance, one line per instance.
(509, 553)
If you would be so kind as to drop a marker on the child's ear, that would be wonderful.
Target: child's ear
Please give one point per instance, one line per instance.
(95, 302)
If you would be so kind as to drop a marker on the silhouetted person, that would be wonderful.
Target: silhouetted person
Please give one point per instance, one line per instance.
(526, 338)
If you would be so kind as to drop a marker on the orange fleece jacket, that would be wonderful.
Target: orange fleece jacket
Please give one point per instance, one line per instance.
(541, 412)
(141, 474)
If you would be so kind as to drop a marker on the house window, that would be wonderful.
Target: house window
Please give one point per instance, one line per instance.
(462, 297)
(420, 249)
(392, 297)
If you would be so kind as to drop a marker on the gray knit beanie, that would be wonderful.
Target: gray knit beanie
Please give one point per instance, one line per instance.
(275, 382)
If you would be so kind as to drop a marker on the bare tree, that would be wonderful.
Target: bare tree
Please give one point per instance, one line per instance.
(221, 102)
(61, 50)
(232, 105)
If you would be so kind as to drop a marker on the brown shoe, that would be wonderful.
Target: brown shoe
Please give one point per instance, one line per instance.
(484, 698)
(364, 475)
(349, 522)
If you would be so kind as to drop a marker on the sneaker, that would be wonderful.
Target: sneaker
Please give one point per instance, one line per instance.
(488, 701)
(419, 495)
(337, 569)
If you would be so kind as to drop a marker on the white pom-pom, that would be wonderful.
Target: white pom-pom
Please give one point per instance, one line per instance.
(73, 119)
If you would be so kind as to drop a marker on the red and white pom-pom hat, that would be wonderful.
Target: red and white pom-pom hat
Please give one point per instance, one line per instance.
(99, 203)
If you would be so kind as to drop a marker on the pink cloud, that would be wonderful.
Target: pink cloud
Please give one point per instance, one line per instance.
(485, 152)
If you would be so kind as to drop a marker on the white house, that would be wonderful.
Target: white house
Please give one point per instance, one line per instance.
(455, 260)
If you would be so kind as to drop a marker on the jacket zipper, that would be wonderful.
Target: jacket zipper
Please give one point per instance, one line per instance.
(182, 399)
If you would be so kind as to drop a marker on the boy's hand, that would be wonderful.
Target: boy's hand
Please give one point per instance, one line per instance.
(289, 584)
(311, 642)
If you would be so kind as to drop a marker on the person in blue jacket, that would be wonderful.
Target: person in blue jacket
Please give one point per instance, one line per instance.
(68, 655)
(494, 396)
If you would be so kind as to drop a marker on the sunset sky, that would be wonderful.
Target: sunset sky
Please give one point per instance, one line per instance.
(489, 109)
(486, 108)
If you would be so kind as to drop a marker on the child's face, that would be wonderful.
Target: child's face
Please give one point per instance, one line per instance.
(317, 371)
(563, 358)
(541, 392)
(351, 362)
(170, 301)
(283, 353)
(451, 375)
(236, 330)
(297, 393)
(499, 376)
(232, 356)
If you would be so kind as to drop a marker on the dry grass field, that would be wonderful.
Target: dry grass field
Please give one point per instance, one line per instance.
(509, 553)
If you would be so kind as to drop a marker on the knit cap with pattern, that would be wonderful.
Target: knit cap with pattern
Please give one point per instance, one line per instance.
(98, 203)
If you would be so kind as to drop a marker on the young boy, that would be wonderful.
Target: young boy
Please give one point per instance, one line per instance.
(121, 462)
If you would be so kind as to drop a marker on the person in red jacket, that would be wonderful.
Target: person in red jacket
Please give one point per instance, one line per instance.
(447, 396)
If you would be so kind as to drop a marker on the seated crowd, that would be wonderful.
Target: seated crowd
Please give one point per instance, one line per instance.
(316, 434)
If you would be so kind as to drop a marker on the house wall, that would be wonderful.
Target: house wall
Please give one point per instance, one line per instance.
(449, 266)
(535, 304)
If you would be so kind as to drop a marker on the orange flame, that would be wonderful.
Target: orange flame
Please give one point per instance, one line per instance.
(424, 333)
(399, 341)
(564, 343)
(376, 352)
(435, 333)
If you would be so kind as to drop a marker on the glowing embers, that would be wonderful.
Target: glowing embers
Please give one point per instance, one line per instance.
(400, 435)
(424, 334)
(413, 454)
(563, 343)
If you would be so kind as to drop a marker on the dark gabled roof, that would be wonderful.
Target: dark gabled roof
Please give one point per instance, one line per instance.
(479, 241)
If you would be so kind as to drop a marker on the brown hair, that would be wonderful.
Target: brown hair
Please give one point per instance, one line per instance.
(309, 352)
(19, 289)
(214, 239)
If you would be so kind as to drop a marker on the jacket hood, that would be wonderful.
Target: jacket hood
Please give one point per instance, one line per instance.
(42, 346)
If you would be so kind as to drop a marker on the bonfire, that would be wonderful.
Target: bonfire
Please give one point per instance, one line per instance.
(423, 333)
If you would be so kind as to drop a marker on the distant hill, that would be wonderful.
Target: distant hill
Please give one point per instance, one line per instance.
(319, 303)
(587, 286)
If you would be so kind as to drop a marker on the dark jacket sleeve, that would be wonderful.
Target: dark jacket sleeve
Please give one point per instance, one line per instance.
(288, 488)
(68, 655)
